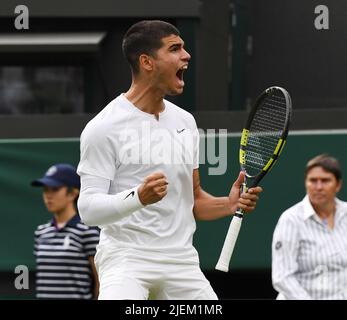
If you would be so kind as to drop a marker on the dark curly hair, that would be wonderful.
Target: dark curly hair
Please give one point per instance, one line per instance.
(145, 37)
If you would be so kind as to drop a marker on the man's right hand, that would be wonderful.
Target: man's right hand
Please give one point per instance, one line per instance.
(153, 188)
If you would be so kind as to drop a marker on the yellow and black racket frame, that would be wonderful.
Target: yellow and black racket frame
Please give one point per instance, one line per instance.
(281, 142)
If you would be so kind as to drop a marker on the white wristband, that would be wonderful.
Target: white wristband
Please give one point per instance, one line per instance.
(128, 201)
(97, 207)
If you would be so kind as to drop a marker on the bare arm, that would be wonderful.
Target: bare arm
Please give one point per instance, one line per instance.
(208, 207)
(95, 277)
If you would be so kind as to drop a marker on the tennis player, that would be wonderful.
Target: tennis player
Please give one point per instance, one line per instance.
(140, 179)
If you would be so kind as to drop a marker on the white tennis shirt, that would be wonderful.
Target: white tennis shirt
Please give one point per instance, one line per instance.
(124, 145)
(309, 260)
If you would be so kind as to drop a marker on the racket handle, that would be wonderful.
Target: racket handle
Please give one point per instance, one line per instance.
(229, 243)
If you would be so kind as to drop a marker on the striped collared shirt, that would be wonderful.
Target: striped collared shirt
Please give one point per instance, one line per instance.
(309, 260)
(63, 270)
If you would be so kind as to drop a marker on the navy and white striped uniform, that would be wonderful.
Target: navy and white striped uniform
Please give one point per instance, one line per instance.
(309, 260)
(63, 270)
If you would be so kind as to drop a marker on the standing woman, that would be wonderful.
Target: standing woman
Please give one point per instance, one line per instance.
(64, 247)
(309, 248)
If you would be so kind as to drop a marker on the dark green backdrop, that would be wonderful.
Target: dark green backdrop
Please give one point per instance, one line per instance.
(22, 209)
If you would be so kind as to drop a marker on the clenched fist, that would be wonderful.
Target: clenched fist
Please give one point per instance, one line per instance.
(153, 188)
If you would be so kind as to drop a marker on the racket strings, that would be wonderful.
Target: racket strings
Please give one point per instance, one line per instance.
(265, 131)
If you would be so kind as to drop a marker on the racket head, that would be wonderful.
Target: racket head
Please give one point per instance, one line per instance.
(264, 134)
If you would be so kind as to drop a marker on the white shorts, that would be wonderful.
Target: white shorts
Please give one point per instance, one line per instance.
(133, 275)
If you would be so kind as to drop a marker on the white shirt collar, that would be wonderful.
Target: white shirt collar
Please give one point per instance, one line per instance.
(341, 208)
(308, 209)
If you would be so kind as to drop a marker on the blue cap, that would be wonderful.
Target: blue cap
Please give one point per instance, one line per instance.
(59, 175)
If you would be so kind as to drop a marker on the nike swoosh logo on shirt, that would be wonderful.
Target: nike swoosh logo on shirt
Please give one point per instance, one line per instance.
(179, 131)
(132, 193)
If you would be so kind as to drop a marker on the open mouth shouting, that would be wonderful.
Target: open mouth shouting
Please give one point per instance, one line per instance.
(179, 74)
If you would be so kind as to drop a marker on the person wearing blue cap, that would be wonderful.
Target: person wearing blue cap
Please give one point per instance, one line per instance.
(64, 247)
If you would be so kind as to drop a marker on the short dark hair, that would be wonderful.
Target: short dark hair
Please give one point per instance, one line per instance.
(327, 162)
(144, 37)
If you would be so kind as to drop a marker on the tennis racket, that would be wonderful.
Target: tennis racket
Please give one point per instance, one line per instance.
(262, 141)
